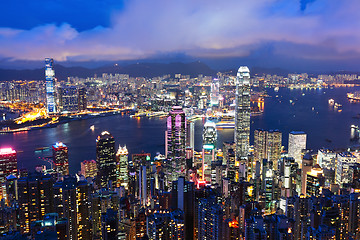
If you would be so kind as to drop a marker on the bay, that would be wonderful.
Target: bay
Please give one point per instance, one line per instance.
(307, 111)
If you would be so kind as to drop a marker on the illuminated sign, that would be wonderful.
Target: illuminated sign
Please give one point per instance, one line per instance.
(208, 146)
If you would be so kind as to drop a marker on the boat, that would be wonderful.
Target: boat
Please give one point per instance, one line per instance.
(276, 89)
(331, 102)
(355, 96)
(225, 124)
(92, 127)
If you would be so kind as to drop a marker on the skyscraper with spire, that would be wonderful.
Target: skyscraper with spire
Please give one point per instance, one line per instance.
(242, 114)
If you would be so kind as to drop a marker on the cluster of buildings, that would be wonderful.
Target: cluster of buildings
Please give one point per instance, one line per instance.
(232, 191)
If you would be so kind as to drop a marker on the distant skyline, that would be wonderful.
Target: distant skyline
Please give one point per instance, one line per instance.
(297, 35)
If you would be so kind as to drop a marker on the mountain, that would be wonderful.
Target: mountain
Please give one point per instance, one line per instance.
(134, 70)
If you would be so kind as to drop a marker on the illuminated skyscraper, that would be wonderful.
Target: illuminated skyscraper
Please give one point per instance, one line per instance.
(82, 101)
(88, 168)
(214, 96)
(242, 115)
(175, 141)
(61, 158)
(122, 163)
(8, 166)
(105, 159)
(68, 99)
(267, 144)
(50, 86)
(209, 144)
(297, 143)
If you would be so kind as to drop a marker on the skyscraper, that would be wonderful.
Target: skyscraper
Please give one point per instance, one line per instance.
(242, 115)
(105, 159)
(209, 144)
(8, 166)
(82, 101)
(267, 144)
(88, 168)
(297, 143)
(122, 162)
(50, 86)
(175, 141)
(61, 158)
(68, 99)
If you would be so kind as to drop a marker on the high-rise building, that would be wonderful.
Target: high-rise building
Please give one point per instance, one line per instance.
(344, 162)
(214, 95)
(50, 86)
(267, 144)
(82, 101)
(175, 141)
(314, 181)
(105, 159)
(209, 144)
(297, 143)
(122, 162)
(8, 166)
(242, 114)
(61, 158)
(68, 99)
(88, 168)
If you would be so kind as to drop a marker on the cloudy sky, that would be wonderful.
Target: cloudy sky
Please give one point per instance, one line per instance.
(312, 34)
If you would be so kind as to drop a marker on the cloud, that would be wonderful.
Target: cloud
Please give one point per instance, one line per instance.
(319, 29)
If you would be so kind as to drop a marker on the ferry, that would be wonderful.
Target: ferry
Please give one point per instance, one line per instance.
(276, 89)
(355, 96)
(225, 124)
(331, 102)
(92, 127)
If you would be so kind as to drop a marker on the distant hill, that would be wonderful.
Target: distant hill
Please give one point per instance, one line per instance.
(134, 70)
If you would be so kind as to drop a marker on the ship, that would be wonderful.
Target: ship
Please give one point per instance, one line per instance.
(355, 96)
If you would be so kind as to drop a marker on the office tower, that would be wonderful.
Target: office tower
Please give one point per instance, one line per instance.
(8, 166)
(354, 215)
(209, 144)
(344, 162)
(297, 143)
(326, 159)
(88, 168)
(214, 95)
(259, 144)
(68, 99)
(82, 101)
(50, 86)
(61, 158)
(267, 144)
(210, 217)
(314, 181)
(83, 205)
(307, 164)
(175, 140)
(36, 197)
(242, 113)
(142, 185)
(109, 225)
(105, 159)
(190, 134)
(122, 163)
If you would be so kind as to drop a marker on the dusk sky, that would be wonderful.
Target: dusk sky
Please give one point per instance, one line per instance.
(293, 34)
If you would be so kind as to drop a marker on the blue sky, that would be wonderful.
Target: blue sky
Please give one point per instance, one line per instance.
(268, 33)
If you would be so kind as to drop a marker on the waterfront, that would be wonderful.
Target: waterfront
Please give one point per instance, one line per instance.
(308, 111)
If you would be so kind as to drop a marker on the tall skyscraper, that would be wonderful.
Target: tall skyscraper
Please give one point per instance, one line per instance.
(214, 95)
(105, 159)
(68, 99)
(175, 141)
(297, 143)
(209, 144)
(242, 114)
(122, 163)
(82, 101)
(61, 158)
(50, 86)
(8, 166)
(267, 144)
